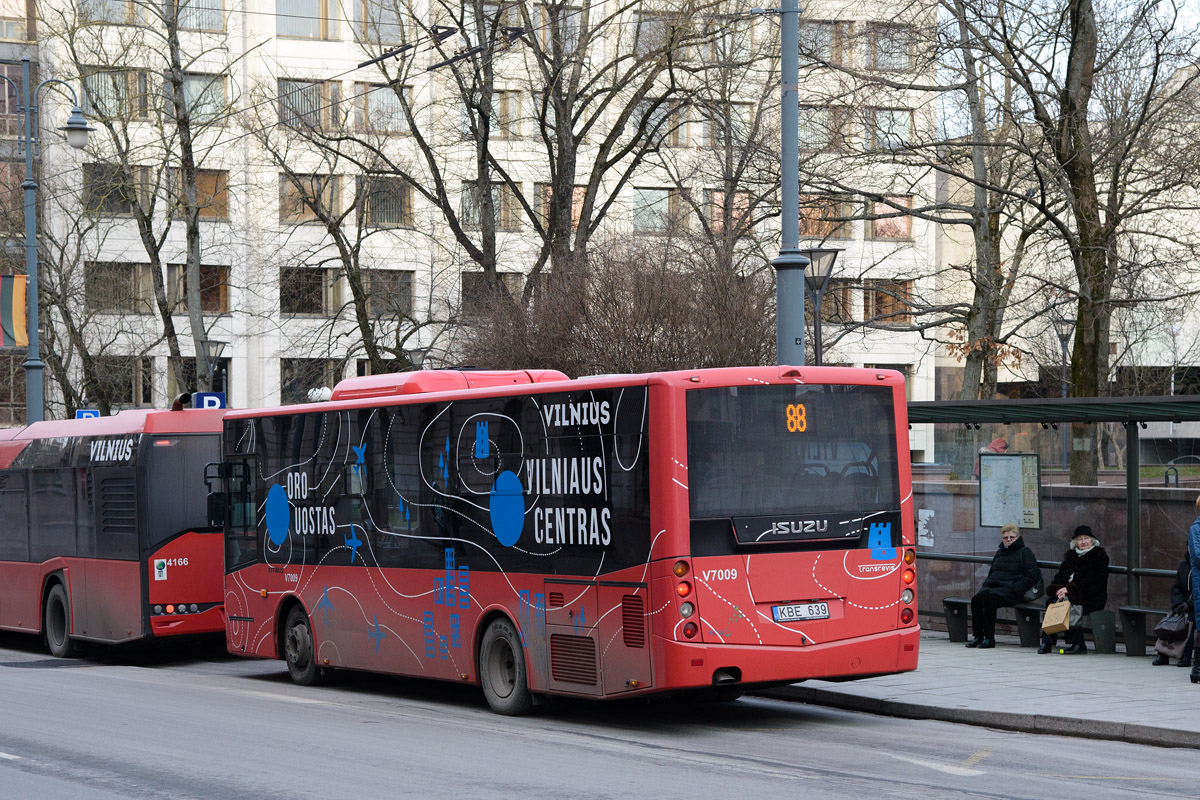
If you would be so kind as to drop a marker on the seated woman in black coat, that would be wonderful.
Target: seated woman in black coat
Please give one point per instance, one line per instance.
(1082, 578)
(1014, 570)
(1181, 600)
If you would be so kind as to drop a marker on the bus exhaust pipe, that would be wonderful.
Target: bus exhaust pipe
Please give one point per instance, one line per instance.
(725, 677)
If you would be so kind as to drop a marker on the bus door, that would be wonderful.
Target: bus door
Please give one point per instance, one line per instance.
(573, 636)
(625, 645)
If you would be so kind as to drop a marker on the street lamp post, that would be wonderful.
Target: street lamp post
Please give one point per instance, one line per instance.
(212, 350)
(1064, 328)
(789, 264)
(76, 131)
(817, 276)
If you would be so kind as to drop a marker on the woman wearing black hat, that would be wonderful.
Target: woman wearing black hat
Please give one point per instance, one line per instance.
(1082, 578)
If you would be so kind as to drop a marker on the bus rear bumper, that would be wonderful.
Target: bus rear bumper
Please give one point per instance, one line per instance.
(689, 665)
(209, 621)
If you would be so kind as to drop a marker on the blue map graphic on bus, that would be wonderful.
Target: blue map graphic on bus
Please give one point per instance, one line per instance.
(277, 514)
(880, 541)
(507, 508)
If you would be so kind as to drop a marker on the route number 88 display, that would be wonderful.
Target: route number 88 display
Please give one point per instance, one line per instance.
(797, 418)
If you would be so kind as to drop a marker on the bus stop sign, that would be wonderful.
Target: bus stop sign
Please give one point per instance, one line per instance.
(208, 400)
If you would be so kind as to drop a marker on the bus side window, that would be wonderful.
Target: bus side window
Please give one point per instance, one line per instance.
(14, 511)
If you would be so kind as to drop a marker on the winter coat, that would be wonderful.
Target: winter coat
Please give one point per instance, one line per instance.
(1086, 579)
(1181, 592)
(1014, 570)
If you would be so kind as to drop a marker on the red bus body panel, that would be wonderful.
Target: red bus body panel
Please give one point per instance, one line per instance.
(609, 633)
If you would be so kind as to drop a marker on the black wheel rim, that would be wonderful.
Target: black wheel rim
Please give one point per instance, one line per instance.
(299, 646)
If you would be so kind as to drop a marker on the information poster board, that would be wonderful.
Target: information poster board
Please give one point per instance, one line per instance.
(1010, 490)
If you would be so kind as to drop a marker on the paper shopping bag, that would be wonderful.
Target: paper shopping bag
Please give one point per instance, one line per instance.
(1057, 617)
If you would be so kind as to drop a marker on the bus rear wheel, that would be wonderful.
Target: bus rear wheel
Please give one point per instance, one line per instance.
(57, 623)
(299, 652)
(502, 670)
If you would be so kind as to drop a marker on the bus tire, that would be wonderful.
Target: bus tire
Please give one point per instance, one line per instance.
(502, 671)
(56, 623)
(299, 651)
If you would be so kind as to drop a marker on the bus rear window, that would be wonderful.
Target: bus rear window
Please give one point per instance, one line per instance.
(764, 450)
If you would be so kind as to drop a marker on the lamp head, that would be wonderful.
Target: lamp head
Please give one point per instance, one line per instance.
(1064, 327)
(820, 265)
(77, 129)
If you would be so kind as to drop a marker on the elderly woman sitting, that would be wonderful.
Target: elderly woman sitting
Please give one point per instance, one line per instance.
(1014, 570)
(1082, 578)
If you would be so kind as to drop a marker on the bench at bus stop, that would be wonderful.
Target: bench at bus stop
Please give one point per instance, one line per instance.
(1028, 619)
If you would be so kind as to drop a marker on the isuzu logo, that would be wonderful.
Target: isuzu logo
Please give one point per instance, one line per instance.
(794, 527)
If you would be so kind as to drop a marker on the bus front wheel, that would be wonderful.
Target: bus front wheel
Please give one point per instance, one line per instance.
(502, 670)
(57, 623)
(299, 652)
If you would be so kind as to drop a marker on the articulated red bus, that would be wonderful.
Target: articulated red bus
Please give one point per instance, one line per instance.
(604, 537)
(104, 531)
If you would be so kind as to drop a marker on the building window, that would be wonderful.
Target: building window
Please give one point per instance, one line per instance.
(200, 15)
(379, 108)
(821, 128)
(308, 291)
(504, 121)
(836, 303)
(10, 100)
(560, 23)
(204, 96)
(545, 193)
(212, 193)
(652, 33)
(116, 12)
(12, 20)
(300, 376)
(825, 42)
(119, 94)
(891, 128)
(389, 292)
(118, 288)
(887, 302)
(12, 201)
(379, 22)
(891, 47)
(214, 289)
(740, 212)
(825, 216)
(890, 220)
(479, 294)
(12, 389)
(730, 122)
(310, 105)
(306, 19)
(301, 197)
(656, 210)
(113, 190)
(386, 201)
(505, 207)
(126, 380)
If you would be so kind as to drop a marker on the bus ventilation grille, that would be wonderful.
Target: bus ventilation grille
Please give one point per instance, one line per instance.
(573, 659)
(118, 506)
(555, 600)
(633, 620)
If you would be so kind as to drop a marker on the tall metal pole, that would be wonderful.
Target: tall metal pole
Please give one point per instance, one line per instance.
(790, 264)
(817, 355)
(1066, 425)
(34, 403)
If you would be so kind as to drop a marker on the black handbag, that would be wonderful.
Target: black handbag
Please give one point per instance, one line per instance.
(1173, 627)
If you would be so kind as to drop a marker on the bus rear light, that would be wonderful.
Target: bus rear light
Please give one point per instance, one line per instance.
(683, 589)
(193, 608)
(910, 556)
(680, 569)
(906, 616)
(170, 609)
(686, 610)
(690, 630)
(158, 609)
(909, 576)
(906, 596)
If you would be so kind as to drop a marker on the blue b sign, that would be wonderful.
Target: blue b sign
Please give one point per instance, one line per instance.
(208, 400)
(86, 413)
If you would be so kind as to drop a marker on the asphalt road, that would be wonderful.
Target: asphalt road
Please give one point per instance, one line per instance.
(194, 723)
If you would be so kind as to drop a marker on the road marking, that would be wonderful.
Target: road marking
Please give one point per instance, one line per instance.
(949, 769)
(9, 757)
(284, 697)
(978, 755)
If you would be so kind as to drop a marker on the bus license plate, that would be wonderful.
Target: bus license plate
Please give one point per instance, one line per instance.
(799, 611)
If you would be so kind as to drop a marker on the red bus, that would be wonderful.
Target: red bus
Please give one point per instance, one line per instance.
(104, 528)
(604, 537)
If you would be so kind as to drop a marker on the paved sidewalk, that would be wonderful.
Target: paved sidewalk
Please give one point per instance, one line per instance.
(1011, 687)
